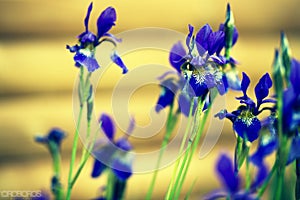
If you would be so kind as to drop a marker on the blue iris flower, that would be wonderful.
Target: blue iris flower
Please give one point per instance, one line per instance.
(231, 182)
(202, 65)
(245, 121)
(88, 41)
(291, 121)
(113, 155)
(53, 139)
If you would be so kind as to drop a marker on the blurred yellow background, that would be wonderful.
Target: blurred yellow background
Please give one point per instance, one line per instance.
(37, 78)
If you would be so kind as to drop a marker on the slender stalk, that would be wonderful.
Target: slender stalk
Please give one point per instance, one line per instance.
(194, 147)
(184, 165)
(76, 136)
(58, 192)
(73, 156)
(83, 161)
(187, 196)
(248, 174)
(181, 148)
(110, 186)
(264, 186)
(170, 127)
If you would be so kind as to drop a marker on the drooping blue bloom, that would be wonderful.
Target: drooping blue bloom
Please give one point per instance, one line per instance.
(113, 155)
(53, 139)
(88, 41)
(245, 121)
(231, 182)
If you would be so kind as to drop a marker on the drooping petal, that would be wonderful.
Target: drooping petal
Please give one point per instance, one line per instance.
(98, 168)
(166, 98)
(185, 103)
(295, 75)
(118, 61)
(122, 166)
(226, 173)
(267, 146)
(199, 88)
(262, 87)
(89, 62)
(202, 39)
(87, 17)
(107, 126)
(261, 175)
(106, 20)
(247, 128)
(177, 55)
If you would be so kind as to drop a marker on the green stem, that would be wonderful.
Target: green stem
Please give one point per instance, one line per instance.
(263, 187)
(190, 154)
(170, 127)
(190, 190)
(73, 156)
(185, 161)
(58, 190)
(181, 148)
(84, 159)
(76, 136)
(110, 186)
(248, 174)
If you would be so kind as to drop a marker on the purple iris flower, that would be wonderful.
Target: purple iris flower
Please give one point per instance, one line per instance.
(114, 154)
(53, 139)
(88, 41)
(245, 121)
(202, 65)
(231, 182)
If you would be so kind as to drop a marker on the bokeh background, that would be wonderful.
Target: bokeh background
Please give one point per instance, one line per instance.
(37, 77)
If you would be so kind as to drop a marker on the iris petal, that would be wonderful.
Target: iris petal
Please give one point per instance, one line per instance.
(118, 61)
(87, 17)
(177, 55)
(107, 126)
(106, 20)
(295, 75)
(226, 173)
(215, 41)
(247, 128)
(122, 168)
(262, 87)
(202, 39)
(89, 62)
(98, 168)
(245, 83)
